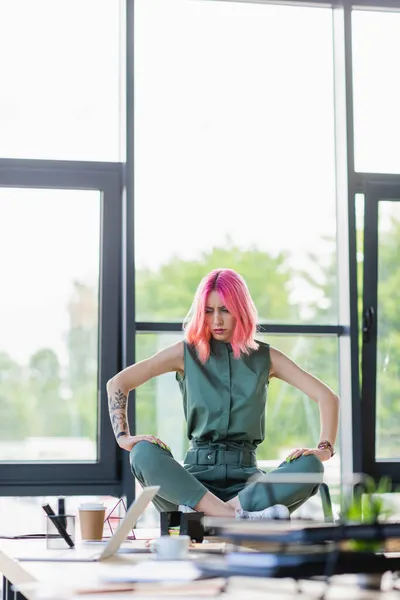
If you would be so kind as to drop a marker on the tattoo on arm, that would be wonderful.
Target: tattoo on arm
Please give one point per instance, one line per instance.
(119, 423)
(117, 406)
(120, 400)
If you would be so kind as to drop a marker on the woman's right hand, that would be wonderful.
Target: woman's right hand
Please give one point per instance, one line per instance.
(126, 442)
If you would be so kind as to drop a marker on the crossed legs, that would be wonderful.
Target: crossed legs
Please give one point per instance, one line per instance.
(152, 465)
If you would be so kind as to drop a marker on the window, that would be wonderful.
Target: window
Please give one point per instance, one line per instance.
(376, 46)
(59, 315)
(388, 342)
(159, 409)
(380, 355)
(234, 156)
(50, 249)
(60, 83)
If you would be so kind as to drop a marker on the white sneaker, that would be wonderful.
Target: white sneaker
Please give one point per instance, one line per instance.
(185, 509)
(277, 511)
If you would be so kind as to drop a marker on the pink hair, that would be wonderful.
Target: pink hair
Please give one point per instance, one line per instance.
(235, 295)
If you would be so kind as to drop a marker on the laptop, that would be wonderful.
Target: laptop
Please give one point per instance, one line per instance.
(85, 554)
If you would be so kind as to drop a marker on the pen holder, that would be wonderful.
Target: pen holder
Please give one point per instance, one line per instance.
(54, 539)
(189, 524)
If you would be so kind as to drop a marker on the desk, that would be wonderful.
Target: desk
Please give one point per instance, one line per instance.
(66, 574)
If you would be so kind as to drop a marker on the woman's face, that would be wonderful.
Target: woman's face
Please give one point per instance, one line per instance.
(219, 320)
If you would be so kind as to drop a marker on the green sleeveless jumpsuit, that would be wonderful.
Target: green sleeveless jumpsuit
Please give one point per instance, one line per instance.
(224, 403)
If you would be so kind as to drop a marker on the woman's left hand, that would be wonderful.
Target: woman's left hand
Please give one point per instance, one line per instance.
(323, 455)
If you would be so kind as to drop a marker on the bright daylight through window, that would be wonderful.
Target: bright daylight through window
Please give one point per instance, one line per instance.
(60, 93)
(234, 166)
(234, 156)
(49, 324)
(376, 48)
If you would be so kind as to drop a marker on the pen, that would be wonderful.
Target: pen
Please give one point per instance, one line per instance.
(59, 526)
(61, 511)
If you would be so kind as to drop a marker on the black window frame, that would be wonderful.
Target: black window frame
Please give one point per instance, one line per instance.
(104, 475)
(375, 192)
(119, 329)
(349, 183)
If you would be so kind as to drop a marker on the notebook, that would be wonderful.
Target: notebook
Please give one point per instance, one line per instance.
(299, 565)
(85, 554)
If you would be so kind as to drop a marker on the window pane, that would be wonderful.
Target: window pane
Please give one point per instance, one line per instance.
(60, 82)
(234, 156)
(49, 249)
(376, 47)
(292, 419)
(388, 341)
(159, 408)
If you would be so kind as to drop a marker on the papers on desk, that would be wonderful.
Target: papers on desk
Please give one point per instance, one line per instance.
(166, 578)
(154, 571)
(43, 591)
(154, 577)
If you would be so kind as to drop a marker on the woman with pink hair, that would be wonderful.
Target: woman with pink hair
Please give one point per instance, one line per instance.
(223, 373)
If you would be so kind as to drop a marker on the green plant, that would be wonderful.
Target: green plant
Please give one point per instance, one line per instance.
(367, 506)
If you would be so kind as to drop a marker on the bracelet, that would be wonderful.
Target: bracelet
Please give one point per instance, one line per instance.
(326, 445)
(121, 433)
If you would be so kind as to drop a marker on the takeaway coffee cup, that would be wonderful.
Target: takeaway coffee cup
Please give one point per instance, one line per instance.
(91, 518)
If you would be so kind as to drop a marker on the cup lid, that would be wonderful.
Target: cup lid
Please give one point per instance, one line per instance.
(91, 506)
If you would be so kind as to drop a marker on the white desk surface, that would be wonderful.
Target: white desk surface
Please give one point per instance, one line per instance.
(62, 575)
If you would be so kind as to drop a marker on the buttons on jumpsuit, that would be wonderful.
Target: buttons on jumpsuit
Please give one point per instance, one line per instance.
(209, 456)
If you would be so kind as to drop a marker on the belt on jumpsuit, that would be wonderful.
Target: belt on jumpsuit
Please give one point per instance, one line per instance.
(220, 456)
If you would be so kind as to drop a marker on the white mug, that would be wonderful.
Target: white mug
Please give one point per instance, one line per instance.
(171, 547)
